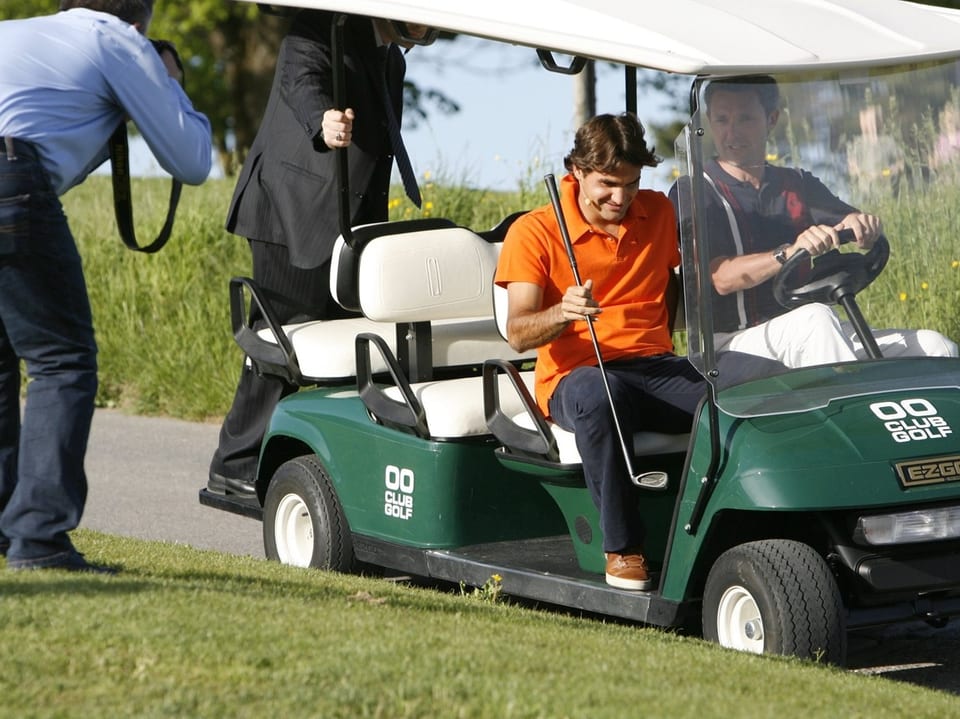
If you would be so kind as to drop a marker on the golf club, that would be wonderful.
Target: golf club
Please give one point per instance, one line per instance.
(647, 480)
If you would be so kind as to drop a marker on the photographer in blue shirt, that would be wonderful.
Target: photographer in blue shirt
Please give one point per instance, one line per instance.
(67, 82)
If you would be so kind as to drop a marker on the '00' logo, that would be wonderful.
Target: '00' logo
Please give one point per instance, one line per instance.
(911, 420)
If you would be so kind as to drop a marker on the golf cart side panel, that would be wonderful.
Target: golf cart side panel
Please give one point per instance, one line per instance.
(583, 519)
(400, 488)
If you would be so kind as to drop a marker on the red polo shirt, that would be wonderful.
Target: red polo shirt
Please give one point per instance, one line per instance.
(630, 275)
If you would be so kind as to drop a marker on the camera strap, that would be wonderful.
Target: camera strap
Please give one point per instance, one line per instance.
(123, 199)
(120, 170)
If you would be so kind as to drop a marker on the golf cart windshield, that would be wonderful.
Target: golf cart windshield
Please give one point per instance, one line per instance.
(885, 142)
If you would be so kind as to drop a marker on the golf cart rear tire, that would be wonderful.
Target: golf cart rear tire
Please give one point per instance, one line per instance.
(777, 597)
(303, 522)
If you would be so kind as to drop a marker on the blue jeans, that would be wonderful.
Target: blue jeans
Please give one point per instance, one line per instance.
(45, 321)
(657, 394)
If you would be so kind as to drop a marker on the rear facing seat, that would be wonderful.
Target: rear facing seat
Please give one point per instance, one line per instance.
(424, 288)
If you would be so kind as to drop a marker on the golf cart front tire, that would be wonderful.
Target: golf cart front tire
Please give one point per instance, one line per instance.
(303, 522)
(776, 597)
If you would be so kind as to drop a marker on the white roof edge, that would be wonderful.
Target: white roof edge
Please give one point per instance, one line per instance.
(693, 36)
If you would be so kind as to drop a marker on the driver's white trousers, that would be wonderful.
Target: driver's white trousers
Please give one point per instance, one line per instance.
(813, 334)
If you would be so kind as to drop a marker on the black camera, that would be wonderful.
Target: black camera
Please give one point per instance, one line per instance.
(162, 46)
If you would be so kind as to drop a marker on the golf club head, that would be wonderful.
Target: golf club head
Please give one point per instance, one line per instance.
(656, 481)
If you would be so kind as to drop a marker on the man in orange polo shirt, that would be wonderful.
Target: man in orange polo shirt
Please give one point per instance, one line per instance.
(625, 242)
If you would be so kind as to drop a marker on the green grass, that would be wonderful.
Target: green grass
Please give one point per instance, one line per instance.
(188, 633)
(162, 320)
(920, 286)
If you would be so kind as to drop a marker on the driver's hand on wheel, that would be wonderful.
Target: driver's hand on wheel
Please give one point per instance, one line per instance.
(817, 239)
(866, 228)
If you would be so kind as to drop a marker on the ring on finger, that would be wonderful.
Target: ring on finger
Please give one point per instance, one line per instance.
(339, 137)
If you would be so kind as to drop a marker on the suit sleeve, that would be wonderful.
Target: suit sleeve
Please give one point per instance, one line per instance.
(306, 76)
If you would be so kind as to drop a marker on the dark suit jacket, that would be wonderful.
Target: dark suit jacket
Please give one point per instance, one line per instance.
(287, 191)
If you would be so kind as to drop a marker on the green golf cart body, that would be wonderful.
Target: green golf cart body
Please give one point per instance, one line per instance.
(803, 504)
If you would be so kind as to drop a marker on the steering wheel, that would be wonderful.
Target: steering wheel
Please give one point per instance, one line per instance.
(834, 275)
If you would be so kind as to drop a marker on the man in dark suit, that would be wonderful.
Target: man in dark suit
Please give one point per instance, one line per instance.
(286, 199)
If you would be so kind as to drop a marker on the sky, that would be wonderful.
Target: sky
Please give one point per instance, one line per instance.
(515, 123)
(516, 120)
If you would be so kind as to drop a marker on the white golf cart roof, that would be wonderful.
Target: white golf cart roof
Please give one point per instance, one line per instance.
(692, 36)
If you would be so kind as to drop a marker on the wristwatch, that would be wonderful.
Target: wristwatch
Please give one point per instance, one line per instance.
(780, 255)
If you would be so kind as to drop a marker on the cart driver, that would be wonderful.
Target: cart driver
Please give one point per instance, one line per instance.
(759, 215)
(625, 243)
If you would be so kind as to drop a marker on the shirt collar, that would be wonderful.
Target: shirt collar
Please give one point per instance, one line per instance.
(577, 225)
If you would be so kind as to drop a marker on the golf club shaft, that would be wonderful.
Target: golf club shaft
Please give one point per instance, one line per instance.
(565, 234)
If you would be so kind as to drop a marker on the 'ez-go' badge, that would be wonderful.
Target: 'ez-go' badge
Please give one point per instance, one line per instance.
(911, 420)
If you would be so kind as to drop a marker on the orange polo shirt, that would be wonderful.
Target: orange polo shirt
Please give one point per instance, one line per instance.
(629, 273)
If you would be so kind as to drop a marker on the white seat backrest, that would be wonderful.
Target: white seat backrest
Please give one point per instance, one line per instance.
(500, 309)
(427, 275)
(336, 269)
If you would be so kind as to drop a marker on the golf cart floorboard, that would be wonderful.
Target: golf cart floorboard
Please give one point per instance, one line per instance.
(244, 506)
(544, 569)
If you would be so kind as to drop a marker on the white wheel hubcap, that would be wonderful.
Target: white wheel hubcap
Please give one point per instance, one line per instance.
(739, 624)
(293, 532)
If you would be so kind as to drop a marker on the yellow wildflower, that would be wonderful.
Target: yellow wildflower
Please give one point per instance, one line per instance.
(903, 296)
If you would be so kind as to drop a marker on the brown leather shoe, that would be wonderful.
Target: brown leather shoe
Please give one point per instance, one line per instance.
(628, 570)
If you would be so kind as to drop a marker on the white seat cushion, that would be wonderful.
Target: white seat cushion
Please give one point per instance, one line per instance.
(644, 443)
(454, 407)
(326, 348)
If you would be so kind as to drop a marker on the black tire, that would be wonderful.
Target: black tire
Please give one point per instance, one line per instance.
(303, 522)
(775, 596)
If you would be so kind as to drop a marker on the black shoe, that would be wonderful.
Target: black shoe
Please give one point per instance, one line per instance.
(70, 560)
(234, 486)
(4, 546)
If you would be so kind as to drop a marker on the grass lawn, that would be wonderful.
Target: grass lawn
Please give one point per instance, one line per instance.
(188, 633)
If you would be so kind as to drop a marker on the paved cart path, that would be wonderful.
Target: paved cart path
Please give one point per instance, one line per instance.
(145, 472)
(144, 475)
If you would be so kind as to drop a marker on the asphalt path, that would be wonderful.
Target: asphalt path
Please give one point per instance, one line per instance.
(145, 473)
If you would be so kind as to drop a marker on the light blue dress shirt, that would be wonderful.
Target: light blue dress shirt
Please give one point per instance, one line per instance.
(68, 80)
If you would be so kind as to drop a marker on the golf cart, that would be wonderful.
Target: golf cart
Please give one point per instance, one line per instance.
(803, 504)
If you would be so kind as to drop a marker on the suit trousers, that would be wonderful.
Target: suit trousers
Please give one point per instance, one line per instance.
(659, 394)
(296, 295)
